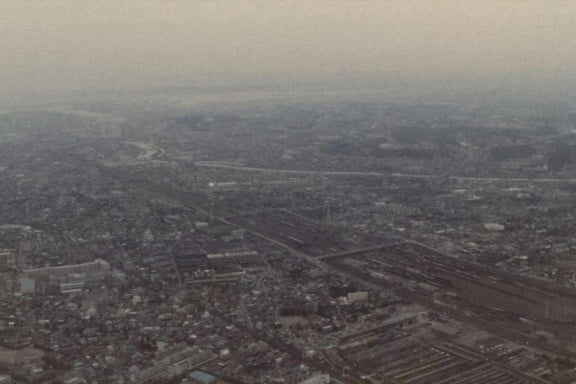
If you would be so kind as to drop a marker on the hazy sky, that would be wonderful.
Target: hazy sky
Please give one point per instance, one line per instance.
(64, 44)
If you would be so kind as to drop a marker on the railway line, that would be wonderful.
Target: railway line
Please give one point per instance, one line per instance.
(330, 263)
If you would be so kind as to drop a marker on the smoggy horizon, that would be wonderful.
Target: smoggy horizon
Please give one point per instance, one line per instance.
(51, 46)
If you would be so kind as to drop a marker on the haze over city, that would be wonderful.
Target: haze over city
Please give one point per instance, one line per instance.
(287, 192)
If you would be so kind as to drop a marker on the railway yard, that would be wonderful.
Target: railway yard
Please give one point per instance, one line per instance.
(473, 324)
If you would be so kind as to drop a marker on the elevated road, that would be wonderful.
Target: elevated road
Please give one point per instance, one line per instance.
(353, 252)
(210, 164)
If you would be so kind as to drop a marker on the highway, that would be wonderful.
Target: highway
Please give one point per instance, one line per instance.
(210, 164)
